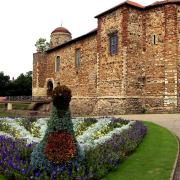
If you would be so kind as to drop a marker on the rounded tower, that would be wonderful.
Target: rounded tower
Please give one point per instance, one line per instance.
(59, 36)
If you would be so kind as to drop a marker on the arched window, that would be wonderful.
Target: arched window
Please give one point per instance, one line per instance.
(77, 58)
(113, 43)
(57, 64)
(49, 88)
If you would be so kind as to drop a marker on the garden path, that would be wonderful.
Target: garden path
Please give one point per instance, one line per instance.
(170, 121)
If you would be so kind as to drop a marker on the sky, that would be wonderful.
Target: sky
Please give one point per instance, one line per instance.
(23, 22)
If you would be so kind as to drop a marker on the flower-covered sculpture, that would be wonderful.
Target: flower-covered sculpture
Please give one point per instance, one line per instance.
(59, 146)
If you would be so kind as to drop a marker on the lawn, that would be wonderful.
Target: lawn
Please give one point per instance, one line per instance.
(2, 178)
(153, 159)
(9, 114)
(18, 107)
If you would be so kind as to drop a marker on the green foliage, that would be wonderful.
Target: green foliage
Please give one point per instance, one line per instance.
(106, 129)
(63, 123)
(2, 177)
(29, 125)
(9, 114)
(84, 126)
(4, 83)
(21, 86)
(42, 45)
(8, 129)
(20, 106)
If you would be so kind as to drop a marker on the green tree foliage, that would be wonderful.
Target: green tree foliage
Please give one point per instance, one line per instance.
(21, 86)
(41, 45)
(4, 83)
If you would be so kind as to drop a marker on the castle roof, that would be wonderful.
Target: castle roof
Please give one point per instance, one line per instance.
(130, 3)
(61, 29)
(136, 5)
(158, 3)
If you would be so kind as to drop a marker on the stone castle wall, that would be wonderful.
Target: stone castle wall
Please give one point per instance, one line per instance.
(144, 76)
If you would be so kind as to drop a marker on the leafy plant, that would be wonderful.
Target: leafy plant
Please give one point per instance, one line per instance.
(9, 129)
(42, 45)
(84, 126)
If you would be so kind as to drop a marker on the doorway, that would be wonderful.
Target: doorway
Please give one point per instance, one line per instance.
(49, 88)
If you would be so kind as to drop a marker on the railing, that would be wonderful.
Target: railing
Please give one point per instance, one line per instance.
(26, 98)
(19, 98)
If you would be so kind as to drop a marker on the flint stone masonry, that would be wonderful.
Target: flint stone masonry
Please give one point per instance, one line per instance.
(144, 76)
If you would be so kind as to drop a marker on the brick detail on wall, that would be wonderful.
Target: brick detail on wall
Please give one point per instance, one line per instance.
(170, 56)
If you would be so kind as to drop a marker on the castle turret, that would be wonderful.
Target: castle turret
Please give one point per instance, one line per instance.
(59, 36)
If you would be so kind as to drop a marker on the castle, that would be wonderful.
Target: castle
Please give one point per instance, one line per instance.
(129, 64)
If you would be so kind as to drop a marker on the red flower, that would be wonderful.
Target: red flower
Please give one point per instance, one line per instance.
(60, 147)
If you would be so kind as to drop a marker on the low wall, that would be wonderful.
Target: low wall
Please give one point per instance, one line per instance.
(115, 106)
(105, 106)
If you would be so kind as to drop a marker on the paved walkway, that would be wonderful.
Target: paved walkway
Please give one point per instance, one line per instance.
(170, 121)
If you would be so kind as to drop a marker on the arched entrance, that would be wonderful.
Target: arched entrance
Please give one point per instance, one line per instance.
(49, 88)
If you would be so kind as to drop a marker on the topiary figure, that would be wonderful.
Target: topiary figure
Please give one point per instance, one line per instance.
(59, 145)
(61, 96)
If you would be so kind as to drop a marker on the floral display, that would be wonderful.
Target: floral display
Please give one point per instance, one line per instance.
(101, 153)
(60, 147)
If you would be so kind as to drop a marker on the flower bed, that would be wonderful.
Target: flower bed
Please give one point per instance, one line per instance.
(105, 142)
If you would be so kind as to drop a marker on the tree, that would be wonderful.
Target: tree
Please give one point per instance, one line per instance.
(4, 82)
(42, 45)
(21, 86)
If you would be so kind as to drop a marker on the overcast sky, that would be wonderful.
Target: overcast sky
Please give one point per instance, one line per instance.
(22, 22)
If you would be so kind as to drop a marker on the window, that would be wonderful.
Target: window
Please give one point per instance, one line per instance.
(113, 43)
(77, 58)
(57, 64)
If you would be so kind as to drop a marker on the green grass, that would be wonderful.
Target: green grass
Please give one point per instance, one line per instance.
(8, 114)
(17, 106)
(2, 106)
(2, 178)
(20, 106)
(153, 159)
